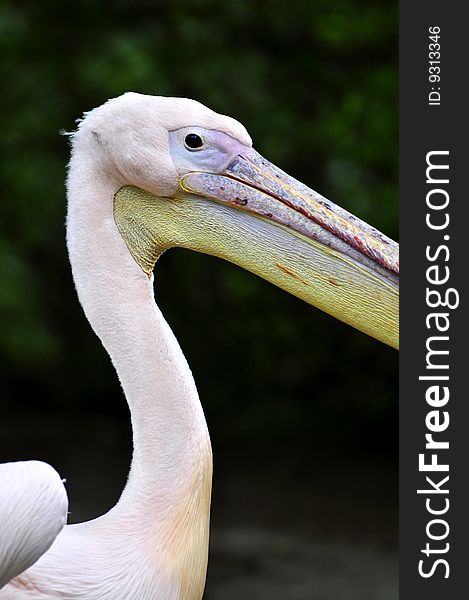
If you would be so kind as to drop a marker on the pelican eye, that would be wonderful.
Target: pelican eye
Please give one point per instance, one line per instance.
(193, 141)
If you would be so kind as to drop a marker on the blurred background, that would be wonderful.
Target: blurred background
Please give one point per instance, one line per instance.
(302, 409)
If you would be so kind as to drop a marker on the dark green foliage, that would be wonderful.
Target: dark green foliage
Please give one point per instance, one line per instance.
(315, 83)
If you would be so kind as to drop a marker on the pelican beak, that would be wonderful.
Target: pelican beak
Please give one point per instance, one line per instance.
(353, 259)
(258, 217)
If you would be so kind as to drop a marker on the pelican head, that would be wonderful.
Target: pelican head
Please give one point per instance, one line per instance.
(189, 177)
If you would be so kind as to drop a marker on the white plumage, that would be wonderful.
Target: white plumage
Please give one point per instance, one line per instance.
(33, 511)
(153, 545)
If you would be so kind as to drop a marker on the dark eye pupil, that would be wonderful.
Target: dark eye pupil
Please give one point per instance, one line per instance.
(194, 141)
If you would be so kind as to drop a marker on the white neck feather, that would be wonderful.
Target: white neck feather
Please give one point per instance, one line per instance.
(168, 492)
(169, 428)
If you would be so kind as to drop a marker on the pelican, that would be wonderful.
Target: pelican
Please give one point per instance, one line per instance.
(146, 174)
